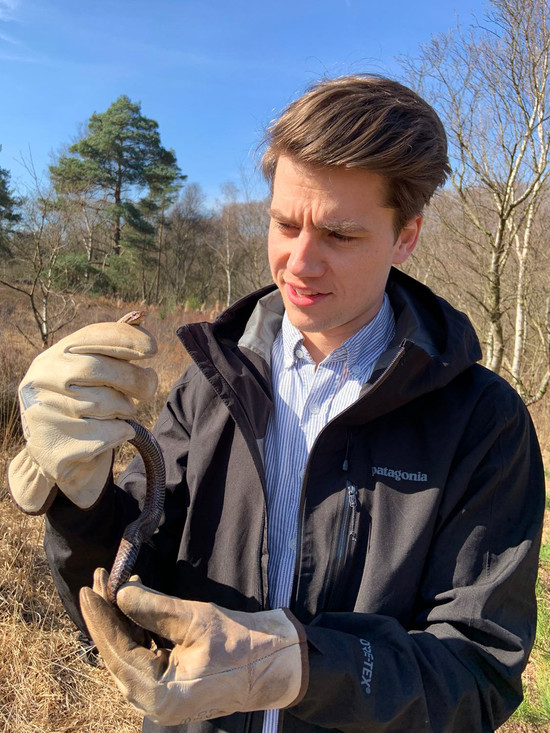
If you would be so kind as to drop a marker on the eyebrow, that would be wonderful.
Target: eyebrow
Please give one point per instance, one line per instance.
(342, 226)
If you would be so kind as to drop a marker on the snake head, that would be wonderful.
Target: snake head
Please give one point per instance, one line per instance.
(134, 318)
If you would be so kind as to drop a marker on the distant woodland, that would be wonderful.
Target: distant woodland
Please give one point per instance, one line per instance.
(118, 217)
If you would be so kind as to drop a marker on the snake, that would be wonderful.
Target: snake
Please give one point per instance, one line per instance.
(142, 528)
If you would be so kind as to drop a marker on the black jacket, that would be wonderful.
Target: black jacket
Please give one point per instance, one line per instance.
(419, 522)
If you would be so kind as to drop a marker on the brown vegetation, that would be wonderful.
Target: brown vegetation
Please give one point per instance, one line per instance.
(47, 683)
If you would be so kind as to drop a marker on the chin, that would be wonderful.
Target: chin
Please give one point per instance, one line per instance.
(302, 323)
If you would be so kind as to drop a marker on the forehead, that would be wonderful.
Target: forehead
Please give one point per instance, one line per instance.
(335, 188)
(293, 176)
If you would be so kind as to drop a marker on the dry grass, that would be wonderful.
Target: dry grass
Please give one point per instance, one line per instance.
(46, 684)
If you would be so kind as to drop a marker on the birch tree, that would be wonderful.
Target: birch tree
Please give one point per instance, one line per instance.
(36, 249)
(490, 85)
(227, 247)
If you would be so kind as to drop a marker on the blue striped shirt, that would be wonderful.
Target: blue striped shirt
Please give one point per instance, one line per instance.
(306, 398)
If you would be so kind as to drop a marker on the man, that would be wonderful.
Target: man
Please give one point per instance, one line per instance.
(354, 505)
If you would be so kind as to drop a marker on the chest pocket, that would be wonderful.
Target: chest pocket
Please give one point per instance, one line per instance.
(349, 547)
(333, 551)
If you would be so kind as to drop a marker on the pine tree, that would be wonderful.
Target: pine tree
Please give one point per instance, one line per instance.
(120, 156)
(8, 210)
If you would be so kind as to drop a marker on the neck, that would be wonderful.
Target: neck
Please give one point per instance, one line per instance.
(318, 348)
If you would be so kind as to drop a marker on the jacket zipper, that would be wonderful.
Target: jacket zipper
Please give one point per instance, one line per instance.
(345, 546)
(300, 522)
(347, 528)
(351, 497)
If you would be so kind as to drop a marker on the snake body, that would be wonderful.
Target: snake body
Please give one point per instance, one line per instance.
(142, 528)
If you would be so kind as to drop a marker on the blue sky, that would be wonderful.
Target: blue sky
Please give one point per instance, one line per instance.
(213, 73)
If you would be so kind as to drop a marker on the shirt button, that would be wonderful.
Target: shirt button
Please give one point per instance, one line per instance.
(299, 353)
(314, 409)
(355, 372)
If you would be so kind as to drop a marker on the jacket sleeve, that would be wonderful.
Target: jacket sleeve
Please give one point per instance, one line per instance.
(78, 541)
(458, 666)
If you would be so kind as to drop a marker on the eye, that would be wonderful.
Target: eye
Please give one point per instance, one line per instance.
(340, 237)
(284, 226)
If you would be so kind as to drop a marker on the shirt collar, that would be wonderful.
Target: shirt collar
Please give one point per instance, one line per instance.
(359, 351)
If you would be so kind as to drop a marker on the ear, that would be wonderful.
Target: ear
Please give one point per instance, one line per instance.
(406, 241)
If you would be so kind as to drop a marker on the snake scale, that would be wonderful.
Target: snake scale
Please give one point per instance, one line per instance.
(142, 528)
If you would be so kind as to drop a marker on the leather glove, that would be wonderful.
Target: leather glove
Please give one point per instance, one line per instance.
(73, 401)
(223, 661)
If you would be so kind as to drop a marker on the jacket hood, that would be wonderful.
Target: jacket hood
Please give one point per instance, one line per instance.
(432, 323)
(433, 343)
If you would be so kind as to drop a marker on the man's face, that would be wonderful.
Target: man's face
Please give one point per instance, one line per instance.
(331, 246)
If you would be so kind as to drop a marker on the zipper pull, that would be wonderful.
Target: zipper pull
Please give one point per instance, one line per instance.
(352, 500)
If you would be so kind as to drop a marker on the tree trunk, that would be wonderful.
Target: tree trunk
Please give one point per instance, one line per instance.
(159, 255)
(118, 219)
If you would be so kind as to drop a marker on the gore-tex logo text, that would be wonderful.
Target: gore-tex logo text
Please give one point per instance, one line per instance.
(368, 665)
(398, 474)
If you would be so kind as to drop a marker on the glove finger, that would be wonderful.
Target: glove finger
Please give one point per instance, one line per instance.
(87, 370)
(73, 439)
(101, 580)
(135, 668)
(100, 403)
(120, 340)
(163, 615)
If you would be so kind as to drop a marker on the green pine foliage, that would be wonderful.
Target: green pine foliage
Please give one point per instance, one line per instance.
(119, 161)
(9, 214)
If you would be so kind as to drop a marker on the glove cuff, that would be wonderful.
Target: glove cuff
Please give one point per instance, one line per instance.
(302, 661)
(279, 676)
(31, 491)
(85, 485)
(290, 663)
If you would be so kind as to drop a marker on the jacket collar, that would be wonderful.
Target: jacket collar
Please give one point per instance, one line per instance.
(433, 340)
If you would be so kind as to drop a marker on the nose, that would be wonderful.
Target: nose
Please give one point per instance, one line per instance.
(306, 256)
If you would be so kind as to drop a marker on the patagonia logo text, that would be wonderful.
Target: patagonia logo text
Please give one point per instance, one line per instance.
(398, 474)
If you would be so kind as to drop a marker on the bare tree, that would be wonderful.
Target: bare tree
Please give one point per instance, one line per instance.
(241, 247)
(251, 223)
(189, 259)
(226, 246)
(490, 85)
(36, 250)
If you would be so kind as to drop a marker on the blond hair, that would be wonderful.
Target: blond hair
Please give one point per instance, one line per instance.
(369, 122)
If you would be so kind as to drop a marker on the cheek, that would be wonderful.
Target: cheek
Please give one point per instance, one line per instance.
(275, 254)
(271, 256)
(366, 271)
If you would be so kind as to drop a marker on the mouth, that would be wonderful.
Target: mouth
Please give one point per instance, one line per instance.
(303, 297)
(304, 291)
